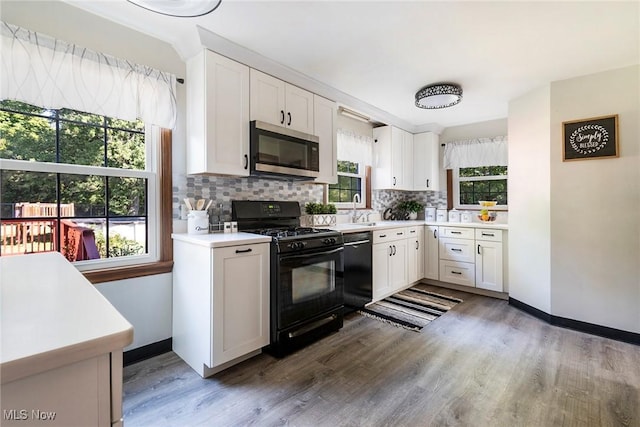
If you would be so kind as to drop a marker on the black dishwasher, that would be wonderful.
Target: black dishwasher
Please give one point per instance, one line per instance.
(358, 289)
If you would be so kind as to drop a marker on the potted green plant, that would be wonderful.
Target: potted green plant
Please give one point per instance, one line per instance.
(410, 207)
(319, 214)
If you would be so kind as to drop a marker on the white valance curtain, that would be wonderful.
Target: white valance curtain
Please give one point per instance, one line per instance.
(354, 147)
(476, 152)
(40, 70)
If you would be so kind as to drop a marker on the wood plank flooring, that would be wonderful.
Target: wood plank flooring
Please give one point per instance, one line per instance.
(483, 363)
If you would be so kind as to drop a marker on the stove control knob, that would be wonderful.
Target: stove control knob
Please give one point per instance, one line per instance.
(329, 241)
(296, 245)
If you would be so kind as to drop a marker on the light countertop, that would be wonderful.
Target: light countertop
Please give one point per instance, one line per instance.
(221, 240)
(52, 316)
(381, 225)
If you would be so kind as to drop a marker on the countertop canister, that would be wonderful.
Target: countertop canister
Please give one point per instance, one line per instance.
(441, 215)
(454, 215)
(198, 222)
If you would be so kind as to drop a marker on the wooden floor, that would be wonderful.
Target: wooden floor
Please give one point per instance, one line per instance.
(483, 363)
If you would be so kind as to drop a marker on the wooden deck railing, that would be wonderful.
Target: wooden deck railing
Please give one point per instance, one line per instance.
(31, 232)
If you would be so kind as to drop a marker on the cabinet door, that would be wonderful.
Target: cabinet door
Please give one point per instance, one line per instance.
(299, 109)
(398, 265)
(397, 158)
(426, 162)
(218, 115)
(489, 265)
(380, 270)
(431, 258)
(267, 98)
(415, 254)
(381, 169)
(324, 112)
(407, 161)
(240, 301)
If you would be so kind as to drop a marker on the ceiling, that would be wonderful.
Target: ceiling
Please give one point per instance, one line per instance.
(382, 53)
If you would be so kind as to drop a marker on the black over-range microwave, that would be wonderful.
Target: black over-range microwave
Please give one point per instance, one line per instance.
(282, 152)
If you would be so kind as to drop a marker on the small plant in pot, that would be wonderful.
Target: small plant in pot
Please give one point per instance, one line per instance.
(410, 208)
(320, 214)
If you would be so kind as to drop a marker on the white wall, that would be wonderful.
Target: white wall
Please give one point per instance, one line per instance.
(529, 199)
(486, 129)
(595, 220)
(145, 302)
(574, 227)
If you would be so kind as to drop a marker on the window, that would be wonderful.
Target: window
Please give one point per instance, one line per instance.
(470, 185)
(351, 181)
(81, 184)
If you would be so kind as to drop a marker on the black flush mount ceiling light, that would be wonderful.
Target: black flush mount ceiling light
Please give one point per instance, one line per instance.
(179, 8)
(441, 95)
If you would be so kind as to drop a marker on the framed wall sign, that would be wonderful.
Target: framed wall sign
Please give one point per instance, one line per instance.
(590, 138)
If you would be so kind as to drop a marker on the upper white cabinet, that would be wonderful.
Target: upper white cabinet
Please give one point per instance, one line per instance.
(324, 127)
(217, 115)
(280, 103)
(392, 159)
(426, 162)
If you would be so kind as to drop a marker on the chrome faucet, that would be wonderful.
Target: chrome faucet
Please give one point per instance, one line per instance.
(354, 216)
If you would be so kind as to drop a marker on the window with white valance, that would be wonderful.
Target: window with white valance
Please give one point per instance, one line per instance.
(355, 153)
(43, 71)
(479, 171)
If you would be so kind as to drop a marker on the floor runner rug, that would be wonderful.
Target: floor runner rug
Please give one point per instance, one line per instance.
(411, 309)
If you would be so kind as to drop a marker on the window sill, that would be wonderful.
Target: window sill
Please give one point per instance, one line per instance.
(129, 272)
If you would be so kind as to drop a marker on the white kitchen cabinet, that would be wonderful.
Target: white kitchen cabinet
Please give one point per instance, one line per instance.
(456, 247)
(392, 159)
(426, 162)
(415, 254)
(324, 125)
(217, 115)
(389, 262)
(277, 102)
(431, 256)
(488, 260)
(220, 304)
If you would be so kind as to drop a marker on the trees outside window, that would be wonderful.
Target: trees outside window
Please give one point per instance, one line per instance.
(68, 170)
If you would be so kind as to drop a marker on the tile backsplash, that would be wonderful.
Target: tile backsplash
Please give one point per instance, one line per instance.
(222, 190)
(383, 199)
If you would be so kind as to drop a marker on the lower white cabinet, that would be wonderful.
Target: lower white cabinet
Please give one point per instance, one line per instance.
(415, 254)
(489, 261)
(468, 256)
(220, 304)
(389, 262)
(431, 255)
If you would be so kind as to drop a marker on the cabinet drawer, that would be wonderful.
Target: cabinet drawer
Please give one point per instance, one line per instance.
(488, 234)
(457, 232)
(380, 236)
(462, 273)
(413, 231)
(457, 249)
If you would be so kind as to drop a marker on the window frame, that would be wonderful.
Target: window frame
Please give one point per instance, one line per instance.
(455, 184)
(158, 258)
(363, 188)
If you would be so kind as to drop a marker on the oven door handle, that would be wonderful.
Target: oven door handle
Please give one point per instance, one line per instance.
(314, 254)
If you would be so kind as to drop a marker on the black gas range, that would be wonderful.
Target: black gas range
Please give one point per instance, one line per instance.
(307, 268)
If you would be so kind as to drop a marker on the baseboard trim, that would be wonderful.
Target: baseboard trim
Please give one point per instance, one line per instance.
(147, 351)
(578, 325)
